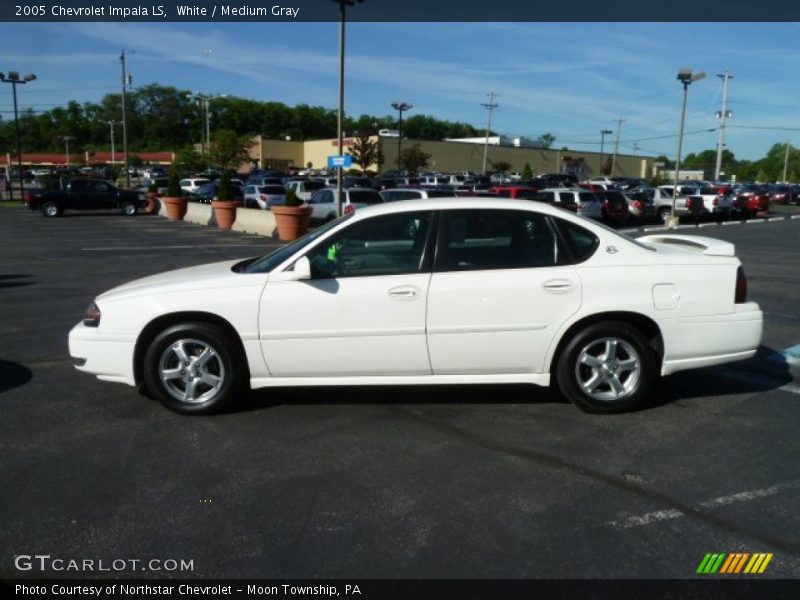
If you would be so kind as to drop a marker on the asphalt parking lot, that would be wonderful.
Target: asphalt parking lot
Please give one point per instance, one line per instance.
(422, 482)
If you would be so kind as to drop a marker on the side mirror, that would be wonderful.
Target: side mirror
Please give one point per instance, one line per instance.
(301, 269)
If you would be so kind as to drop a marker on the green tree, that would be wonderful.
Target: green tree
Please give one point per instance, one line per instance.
(501, 166)
(547, 139)
(189, 160)
(365, 151)
(527, 172)
(229, 150)
(413, 159)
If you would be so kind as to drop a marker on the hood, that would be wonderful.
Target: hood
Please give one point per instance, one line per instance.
(201, 277)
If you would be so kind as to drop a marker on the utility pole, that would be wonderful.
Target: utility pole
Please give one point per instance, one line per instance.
(619, 123)
(785, 163)
(66, 139)
(722, 116)
(490, 106)
(603, 134)
(124, 120)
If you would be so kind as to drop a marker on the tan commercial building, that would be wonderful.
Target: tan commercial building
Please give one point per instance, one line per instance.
(449, 156)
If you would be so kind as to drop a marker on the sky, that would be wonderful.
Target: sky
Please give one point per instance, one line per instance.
(569, 79)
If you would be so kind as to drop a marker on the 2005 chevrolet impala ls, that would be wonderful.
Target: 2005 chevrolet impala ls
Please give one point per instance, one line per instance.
(445, 291)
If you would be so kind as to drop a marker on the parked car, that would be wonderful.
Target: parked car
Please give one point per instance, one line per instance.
(208, 191)
(515, 191)
(323, 202)
(264, 180)
(708, 202)
(614, 207)
(191, 184)
(162, 183)
(515, 292)
(393, 195)
(575, 200)
(264, 196)
(751, 199)
(82, 194)
(304, 188)
(661, 199)
(641, 207)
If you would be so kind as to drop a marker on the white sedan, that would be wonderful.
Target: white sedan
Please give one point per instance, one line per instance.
(442, 291)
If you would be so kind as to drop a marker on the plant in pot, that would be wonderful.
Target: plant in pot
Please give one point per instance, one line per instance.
(174, 201)
(152, 199)
(224, 206)
(292, 218)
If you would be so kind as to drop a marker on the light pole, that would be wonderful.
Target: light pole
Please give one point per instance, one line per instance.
(66, 139)
(14, 79)
(603, 134)
(490, 106)
(400, 107)
(111, 125)
(340, 117)
(125, 82)
(204, 100)
(722, 115)
(686, 77)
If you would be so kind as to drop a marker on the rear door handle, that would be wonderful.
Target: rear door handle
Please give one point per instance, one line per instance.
(557, 286)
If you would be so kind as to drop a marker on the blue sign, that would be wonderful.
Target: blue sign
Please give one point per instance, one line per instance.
(340, 161)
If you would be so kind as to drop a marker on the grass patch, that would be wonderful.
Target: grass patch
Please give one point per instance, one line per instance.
(16, 203)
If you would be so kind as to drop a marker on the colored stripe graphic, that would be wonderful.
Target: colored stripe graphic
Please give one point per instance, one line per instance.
(733, 563)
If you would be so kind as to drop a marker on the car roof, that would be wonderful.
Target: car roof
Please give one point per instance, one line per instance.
(463, 202)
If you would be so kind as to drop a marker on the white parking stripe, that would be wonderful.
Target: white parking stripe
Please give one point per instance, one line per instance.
(663, 515)
(206, 246)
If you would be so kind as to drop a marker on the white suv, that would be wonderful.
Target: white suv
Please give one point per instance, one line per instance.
(580, 201)
(323, 202)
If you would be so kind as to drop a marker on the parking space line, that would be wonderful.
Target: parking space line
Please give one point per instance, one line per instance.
(176, 247)
(663, 515)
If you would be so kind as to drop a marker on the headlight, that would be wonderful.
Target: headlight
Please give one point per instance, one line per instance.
(91, 316)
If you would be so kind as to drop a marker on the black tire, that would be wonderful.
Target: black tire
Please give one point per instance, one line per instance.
(663, 213)
(51, 209)
(616, 388)
(128, 208)
(226, 364)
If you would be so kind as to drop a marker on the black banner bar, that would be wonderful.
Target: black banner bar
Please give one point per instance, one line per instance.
(405, 11)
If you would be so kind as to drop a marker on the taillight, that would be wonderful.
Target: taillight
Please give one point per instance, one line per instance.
(263, 197)
(348, 209)
(741, 287)
(28, 197)
(638, 204)
(689, 203)
(716, 201)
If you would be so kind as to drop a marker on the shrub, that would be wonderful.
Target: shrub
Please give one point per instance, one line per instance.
(291, 198)
(225, 192)
(174, 186)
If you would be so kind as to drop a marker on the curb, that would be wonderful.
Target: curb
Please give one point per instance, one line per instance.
(712, 224)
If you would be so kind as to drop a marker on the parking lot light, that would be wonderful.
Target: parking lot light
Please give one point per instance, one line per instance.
(686, 77)
(400, 107)
(14, 79)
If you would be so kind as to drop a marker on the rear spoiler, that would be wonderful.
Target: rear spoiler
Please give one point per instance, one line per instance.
(706, 245)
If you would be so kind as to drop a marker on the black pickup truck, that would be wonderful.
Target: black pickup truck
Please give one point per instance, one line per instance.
(83, 194)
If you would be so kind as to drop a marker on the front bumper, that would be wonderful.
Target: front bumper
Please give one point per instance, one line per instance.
(108, 357)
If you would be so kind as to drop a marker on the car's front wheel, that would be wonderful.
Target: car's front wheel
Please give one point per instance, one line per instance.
(194, 368)
(607, 368)
(51, 209)
(128, 208)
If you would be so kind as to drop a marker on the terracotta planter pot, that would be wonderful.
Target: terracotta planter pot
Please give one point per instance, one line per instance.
(152, 203)
(292, 221)
(175, 207)
(225, 212)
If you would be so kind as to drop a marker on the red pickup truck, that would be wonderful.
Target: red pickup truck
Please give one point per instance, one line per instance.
(83, 194)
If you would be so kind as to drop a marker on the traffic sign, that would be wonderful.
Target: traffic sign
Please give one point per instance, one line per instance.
(337, 161)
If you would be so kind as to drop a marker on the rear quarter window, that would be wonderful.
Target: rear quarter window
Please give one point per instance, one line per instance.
(581, 243)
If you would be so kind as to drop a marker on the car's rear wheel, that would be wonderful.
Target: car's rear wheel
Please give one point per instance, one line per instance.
(664, 213)
(607, 368)
(128, 208)
(194, 369)
(51, 209)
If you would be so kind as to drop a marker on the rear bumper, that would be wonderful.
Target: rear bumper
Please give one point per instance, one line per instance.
(109, 358)
(695, 342)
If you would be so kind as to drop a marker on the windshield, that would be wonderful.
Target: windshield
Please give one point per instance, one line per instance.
(267, 263)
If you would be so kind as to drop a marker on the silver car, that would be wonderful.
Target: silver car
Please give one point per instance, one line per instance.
(323, 202)
(576, 200)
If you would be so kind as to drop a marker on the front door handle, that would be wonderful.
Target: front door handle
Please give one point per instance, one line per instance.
(408, 292)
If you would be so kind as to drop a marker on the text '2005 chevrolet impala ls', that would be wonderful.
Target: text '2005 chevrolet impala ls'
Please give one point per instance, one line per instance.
(444, 291)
